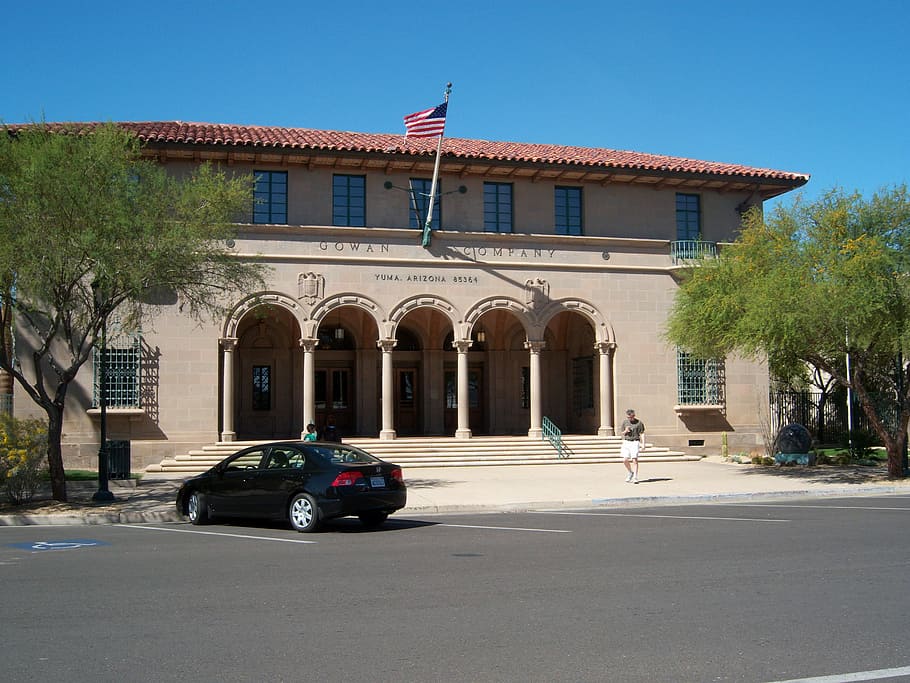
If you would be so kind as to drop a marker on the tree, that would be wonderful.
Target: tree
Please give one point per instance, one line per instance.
(810, 284)
(87, 227)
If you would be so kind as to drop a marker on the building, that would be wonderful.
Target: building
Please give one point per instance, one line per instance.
(541, 295)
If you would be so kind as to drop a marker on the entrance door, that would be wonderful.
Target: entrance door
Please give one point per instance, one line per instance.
(475, 400)
(332, 388)
(407, 405)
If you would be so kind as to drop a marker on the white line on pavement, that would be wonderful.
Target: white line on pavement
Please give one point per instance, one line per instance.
(630, 514)
(507, 528)
(876, 675)
(215, 533)
(821, 507)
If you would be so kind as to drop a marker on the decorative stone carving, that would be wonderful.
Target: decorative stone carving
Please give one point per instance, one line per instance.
(538, 292)
(310, 287)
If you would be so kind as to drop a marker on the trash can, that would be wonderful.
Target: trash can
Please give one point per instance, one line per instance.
(118, 459)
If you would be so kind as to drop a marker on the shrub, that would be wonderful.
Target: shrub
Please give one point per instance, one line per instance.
(23, 457)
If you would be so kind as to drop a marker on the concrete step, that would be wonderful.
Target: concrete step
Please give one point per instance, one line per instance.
(483, 451)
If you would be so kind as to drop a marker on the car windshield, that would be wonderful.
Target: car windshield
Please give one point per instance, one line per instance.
(343, 455)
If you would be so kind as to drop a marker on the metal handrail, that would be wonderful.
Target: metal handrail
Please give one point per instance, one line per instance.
(692, 250)
(553, 434)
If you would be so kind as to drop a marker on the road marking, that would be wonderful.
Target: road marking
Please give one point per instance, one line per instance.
(876, 675)
(216, 533)
(821, 507)
(631, 514)
(68, 544)
(508, 528)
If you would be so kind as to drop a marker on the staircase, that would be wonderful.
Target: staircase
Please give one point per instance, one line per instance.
(415, 452)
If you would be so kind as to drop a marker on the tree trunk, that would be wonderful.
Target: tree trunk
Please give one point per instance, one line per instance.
(55, 452)
(895, 459)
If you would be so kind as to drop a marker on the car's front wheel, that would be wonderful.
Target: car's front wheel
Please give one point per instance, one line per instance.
(197, 509)
(303, 513)
(373, 519)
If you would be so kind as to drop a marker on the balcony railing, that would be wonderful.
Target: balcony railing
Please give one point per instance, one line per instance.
(682, 251)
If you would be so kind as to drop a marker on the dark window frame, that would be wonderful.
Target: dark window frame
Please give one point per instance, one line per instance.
(688, 216)
(270, 197)
(419, 197)
(261, 387)
(568, 211)
(349, 200)
(498, 207)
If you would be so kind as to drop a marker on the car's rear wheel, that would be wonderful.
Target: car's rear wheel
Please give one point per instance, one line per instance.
(373, 519)
(197, 509)
(303, 513)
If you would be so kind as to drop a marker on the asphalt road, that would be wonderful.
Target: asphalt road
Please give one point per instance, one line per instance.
(712, 592)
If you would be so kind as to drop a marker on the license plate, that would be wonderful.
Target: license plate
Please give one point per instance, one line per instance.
(377, 482)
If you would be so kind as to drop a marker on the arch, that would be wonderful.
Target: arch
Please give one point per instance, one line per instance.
(268, 298)
(420, 301)
(344, 299)
(603, 331)
(524, 315)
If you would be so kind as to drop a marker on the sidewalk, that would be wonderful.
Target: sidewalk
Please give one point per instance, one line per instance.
(508, 488)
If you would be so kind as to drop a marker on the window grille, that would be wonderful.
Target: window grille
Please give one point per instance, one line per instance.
(123, 371)
(699, 382)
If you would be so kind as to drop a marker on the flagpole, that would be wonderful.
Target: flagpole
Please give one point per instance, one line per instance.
(428, 226)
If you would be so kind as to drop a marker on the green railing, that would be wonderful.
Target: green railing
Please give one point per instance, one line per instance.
(692, 250)
(552, 434)
(6, 403)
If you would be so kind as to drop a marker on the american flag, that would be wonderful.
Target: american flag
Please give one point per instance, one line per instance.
(429, 123)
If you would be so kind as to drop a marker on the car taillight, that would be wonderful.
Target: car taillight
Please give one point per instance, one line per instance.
(348, 479)
(397, 475)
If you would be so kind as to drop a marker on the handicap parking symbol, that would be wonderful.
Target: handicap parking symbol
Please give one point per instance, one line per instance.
(67, 544)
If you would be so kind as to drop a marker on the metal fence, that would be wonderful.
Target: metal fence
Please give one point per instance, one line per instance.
(824, 415)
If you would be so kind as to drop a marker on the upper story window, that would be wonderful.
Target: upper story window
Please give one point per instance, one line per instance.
(420, 199)
(497, 207)
(688, 216)
(568, 211)
(349, 200)
(270, 197)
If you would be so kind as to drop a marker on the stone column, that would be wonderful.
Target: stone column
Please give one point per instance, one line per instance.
(535, 430)
(228, 346)
(309, 382)
(464, 400)
(605, 358)
(388, 389)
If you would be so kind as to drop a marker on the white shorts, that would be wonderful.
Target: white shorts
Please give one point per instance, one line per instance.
(629, 449)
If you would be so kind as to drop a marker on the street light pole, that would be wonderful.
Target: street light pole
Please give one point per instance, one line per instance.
(103, 494)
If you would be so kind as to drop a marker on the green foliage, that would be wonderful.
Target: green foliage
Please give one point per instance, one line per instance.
(88, 227)
(23, 456)
(807, 285)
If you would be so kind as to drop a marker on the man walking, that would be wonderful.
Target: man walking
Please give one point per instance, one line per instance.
(633, 441)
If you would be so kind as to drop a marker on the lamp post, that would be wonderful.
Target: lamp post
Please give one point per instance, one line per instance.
(103, 494)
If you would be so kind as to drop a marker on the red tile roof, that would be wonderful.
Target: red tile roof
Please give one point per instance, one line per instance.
(179, 132)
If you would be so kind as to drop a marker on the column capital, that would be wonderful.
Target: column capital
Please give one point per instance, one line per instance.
(462, 345)
(386, 345)
(535, 345)
(605, 348)
(228, 343)
(308, 344)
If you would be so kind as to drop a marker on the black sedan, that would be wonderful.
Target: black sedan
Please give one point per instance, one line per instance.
(304, 482)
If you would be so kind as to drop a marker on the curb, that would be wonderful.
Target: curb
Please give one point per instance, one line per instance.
(163, 516)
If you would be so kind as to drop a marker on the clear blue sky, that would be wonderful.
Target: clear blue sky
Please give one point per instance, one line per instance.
(811, 86)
